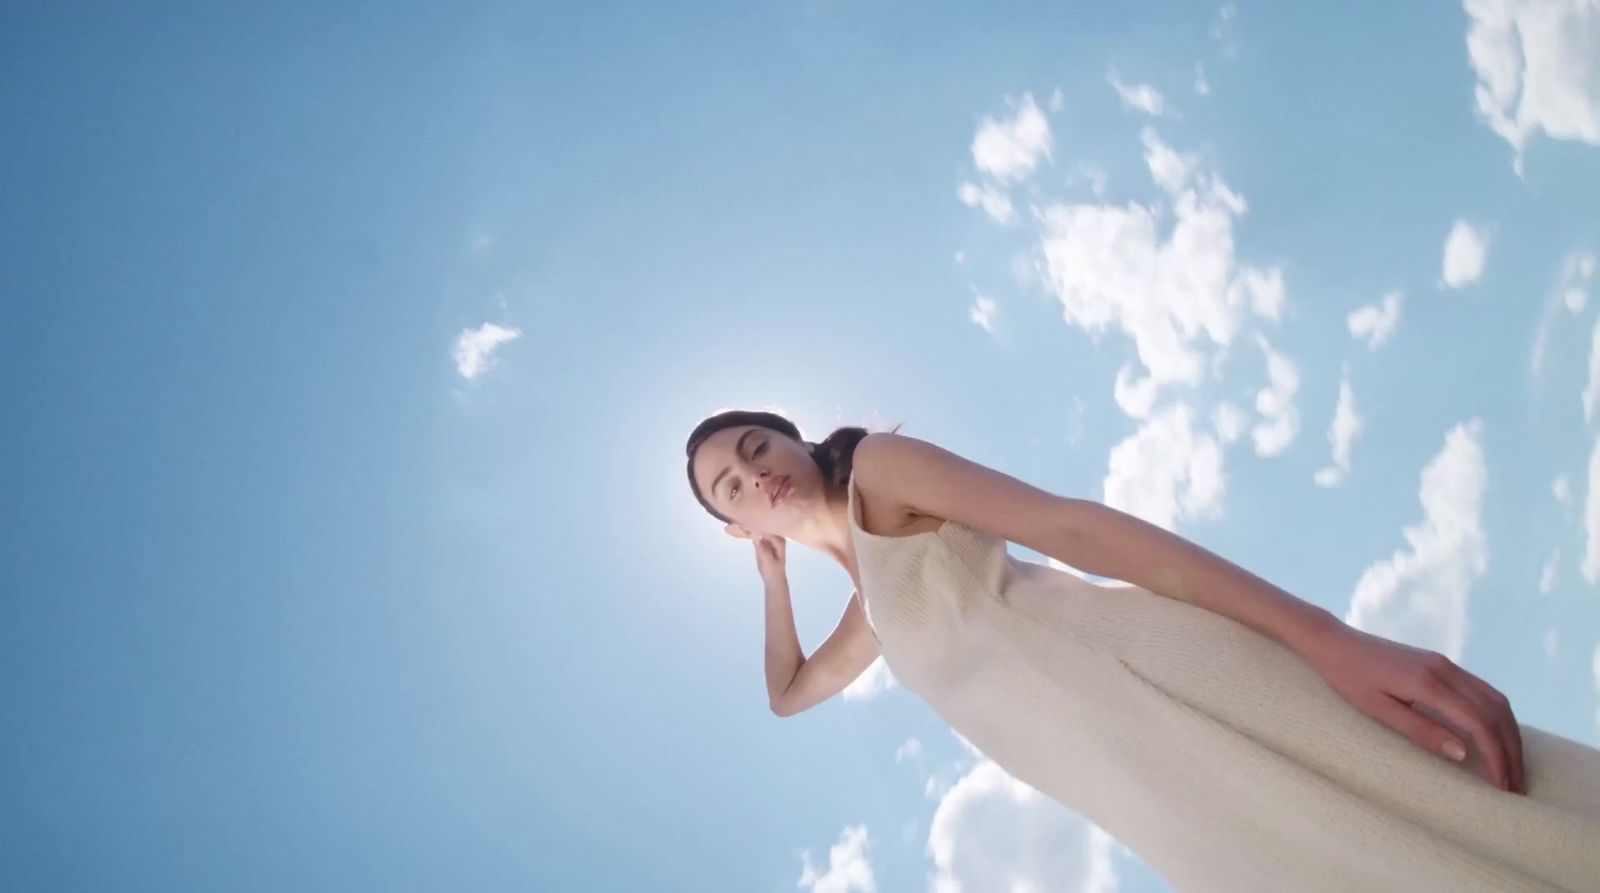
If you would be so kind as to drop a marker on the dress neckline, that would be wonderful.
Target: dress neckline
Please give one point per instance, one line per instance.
(853, 505)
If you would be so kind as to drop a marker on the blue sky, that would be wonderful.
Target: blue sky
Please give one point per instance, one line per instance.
(349, 354)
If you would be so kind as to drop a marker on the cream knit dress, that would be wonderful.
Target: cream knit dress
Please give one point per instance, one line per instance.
(1214, 752)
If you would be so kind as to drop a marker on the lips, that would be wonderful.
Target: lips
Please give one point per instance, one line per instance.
(780, 490)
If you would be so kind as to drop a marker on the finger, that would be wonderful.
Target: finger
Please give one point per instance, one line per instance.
(1434, 692)
(1496, 704)
(1493, 717)
(1426, 733)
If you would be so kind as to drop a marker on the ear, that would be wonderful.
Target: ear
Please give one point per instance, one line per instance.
(737, 532)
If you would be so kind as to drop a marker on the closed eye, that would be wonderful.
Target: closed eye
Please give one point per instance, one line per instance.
(754, 453)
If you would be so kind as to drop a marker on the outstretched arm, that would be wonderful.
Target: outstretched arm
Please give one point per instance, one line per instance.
(1111, 543)
(1085, 534)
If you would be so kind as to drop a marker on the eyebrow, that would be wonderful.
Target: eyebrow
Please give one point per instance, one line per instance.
(738, 449)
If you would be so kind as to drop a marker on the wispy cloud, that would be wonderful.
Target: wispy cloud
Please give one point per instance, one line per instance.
(1572, 292)
(1547, 574)
(1376, 323)
(994, 202)
(910, 749)
(1280, 420)
(1595, 667)
(1591, 520)
(1228, 420)
(1591, 391)
(1225, 28)
(1342, 432)
(1576, 272)
(1141, 97)
(474, 350)
(982, 312)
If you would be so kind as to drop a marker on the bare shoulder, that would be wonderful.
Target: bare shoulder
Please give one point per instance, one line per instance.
(927, 484)
(882, 513)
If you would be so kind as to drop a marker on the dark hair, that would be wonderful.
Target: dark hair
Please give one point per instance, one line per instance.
(833, 454)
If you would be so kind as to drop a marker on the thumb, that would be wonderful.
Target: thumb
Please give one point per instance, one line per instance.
(1426, 733)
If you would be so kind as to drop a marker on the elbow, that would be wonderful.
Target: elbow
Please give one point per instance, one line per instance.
(780, 709)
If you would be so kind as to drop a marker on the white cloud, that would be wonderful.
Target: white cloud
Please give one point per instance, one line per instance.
(911, 749)
(1228, 420)
(1024, 270)
(1595, 666)
(1464, 252)
(1538, 68)
(1280, 420)
(1562, 488)
(1057, 100)
(876, 679)
(991, 832)
(474, 350)
(1091, 173)
(1550, 644)
(1591, 520)
(1170, 169)
(1376, 322)
(1341, 432)
(1202, 87)
(1009, 150)
(1167, 470)
(1572, 290)
(1419, 595)
(1135, 398)
(1223, 28)
(982, 312)
(1576, 271)
(1142, 97)
(1591, 391)
(849, 870)
(1174, 296)
(1547, 574)
(1265, 288)
(936, 785)
(995, 203)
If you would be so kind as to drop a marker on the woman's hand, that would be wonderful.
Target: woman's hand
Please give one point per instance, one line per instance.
(770, 557)
(1384, 679)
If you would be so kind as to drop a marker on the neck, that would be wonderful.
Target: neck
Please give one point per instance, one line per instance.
(829, 533)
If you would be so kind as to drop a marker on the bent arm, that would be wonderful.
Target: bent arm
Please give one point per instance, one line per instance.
(838, 661)
(783, 654)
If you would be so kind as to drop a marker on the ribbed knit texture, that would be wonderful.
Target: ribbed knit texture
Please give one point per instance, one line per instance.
(1214, 752)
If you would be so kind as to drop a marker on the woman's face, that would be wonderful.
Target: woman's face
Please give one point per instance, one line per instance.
(738, 469)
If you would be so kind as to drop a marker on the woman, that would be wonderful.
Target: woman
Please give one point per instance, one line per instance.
(1235, 737)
